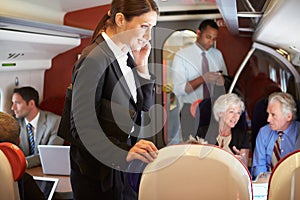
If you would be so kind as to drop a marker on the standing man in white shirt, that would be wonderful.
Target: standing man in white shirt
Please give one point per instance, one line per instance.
(43, 124)
(196, 70)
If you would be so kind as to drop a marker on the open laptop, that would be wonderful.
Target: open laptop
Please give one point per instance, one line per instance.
(260, 186)
(47, 186)
(55, 159)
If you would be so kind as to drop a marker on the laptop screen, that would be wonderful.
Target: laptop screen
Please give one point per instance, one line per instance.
(260, 191)
(51, 155)
(47, 185)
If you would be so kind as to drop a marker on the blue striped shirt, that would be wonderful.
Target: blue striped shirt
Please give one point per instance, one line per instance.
(265, 142)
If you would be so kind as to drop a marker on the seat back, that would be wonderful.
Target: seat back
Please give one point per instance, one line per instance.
(203, 113)
(53, 104)
(12, 168)
(284, 181)
(195, 172)
(259, 119)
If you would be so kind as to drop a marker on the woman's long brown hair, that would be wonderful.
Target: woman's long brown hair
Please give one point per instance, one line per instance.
(129, 8)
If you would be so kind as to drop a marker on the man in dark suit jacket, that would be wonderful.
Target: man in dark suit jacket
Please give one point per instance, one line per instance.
(25, 103)
(10, 132)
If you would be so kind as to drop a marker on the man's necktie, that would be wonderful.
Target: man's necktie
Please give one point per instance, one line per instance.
(30, 139)
(276, 150)
(205, 69)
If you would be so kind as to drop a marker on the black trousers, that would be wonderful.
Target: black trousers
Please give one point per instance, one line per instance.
(85, 187)
(187, 122)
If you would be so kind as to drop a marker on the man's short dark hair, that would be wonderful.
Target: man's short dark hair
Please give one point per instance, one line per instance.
(208, 22)
(28, 93)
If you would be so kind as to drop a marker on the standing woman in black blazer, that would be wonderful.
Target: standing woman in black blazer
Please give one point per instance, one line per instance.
(111, 86)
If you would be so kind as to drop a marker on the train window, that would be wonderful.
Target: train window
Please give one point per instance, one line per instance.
(267, 73)
(176, 41)
(284, 78)
(281, 76)
(273, 74)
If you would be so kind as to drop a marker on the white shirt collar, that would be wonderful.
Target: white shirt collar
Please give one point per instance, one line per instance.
(118, 53)
(33, 122)
(122, 57)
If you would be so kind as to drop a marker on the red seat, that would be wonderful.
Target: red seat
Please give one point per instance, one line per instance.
(53, 104)
(12, 168)
(194, 107)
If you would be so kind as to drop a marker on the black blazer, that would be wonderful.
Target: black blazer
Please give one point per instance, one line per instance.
(239, 137)
(28, 189)
(104, 112)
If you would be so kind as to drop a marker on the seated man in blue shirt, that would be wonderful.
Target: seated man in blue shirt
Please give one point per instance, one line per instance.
(281, 118)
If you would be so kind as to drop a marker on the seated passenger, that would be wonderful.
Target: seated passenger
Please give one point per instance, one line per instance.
(227, 110)
(37, 126)
(10, 132)
(282, 125)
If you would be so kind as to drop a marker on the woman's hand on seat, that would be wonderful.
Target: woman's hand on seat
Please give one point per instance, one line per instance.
(143, 150)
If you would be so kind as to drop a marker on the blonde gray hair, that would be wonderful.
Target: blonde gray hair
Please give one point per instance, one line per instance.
(226, 101)
(288, 105)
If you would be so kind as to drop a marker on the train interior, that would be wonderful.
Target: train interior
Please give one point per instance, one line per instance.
(41, 40)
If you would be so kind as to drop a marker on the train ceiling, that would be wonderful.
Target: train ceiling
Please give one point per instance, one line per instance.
(242, 17)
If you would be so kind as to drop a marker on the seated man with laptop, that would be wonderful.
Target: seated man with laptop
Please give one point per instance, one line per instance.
(38, 127)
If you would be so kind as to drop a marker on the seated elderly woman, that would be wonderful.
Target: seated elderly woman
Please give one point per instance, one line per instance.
(222, 132)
